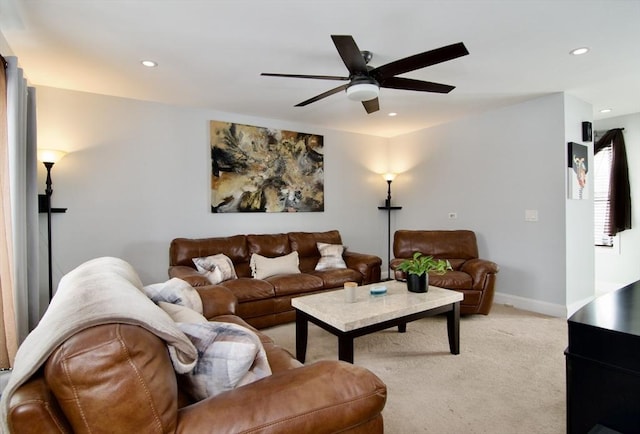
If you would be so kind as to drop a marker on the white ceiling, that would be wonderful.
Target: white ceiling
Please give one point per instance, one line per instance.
(211, 53)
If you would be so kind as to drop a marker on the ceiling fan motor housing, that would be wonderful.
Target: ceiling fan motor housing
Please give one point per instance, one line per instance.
(363, 89)
(364, 81)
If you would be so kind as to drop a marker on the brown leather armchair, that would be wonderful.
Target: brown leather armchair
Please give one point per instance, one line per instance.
(475, 278)
(118, 378)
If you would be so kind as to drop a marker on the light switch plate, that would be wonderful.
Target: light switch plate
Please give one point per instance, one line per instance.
(531, 215)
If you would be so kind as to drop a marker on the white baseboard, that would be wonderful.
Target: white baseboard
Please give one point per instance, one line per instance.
(531, 305)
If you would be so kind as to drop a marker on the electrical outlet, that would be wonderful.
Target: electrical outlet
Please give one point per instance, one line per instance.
(453, 215)
(531, 215)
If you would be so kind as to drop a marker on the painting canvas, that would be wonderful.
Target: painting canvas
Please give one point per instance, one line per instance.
(257, 169)
(577, 171)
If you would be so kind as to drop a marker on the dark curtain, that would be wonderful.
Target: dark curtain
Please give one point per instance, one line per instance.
(620, 191)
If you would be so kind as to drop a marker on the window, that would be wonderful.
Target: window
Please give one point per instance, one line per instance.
(611, 187)
(602, 196)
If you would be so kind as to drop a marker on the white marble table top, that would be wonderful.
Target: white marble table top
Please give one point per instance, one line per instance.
(332, 307)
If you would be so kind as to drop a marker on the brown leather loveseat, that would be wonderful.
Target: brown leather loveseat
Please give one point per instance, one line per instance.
(117, 377)
(472, 276)
(266, 302)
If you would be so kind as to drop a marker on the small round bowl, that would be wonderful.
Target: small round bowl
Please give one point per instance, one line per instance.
(377, 291)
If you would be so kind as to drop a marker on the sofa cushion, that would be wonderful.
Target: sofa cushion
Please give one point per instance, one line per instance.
(216, 268)
(330, 256)
(229, 356)
(285, 284)
(451, 280)
(336, 278)
(183, 250)
(455, 263)
(439, 244)
(263, 267)
(249, 289)
(175, 291)
(269, 245)
(305, 243)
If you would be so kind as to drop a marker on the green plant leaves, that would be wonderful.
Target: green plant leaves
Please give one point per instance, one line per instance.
(420, 264)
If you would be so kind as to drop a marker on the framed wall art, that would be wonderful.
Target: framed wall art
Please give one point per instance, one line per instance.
(257, 169)
(578, 170)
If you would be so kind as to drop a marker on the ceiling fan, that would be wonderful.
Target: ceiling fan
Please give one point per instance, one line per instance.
(364, 82)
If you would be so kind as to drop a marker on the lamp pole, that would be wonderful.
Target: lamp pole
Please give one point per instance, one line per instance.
(49, 157)
(387, 206)
(48, 192)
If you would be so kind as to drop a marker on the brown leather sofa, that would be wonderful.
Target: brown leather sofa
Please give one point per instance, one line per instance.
(475, 278)
(263, 303)
(118, 378)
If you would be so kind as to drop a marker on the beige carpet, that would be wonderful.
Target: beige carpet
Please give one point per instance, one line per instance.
(508, 378)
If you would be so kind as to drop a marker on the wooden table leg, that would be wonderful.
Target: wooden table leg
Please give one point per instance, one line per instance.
(453, 328)
(345, 348)
(302, 330)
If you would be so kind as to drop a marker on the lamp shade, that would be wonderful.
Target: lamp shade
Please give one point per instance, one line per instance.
(362, 91)
(50, 155)
(389, 176)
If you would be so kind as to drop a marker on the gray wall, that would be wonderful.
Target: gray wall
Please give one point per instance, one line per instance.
(489, 169)
(579, 249)
(138, 175)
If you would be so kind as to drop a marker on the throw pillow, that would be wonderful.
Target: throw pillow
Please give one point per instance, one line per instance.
(229, 356)
(216, 268)
(181, 313)
(263, 267)
(175, 291)
(330, 256)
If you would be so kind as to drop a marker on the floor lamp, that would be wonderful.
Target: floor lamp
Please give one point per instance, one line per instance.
(49, 157)
(389, 177)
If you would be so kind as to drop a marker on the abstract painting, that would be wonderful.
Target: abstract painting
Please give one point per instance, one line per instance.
(257, 169)
(577, 171)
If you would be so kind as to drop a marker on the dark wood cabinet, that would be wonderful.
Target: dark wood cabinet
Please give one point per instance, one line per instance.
(603, 364)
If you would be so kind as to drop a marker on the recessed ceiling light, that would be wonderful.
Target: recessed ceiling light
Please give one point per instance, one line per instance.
(393, 114)
(149, 63)
(607, 110)
(579, 51)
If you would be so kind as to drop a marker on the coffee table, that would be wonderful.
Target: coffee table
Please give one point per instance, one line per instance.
(330, 311)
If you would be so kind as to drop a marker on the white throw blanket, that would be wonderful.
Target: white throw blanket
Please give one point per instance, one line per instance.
(100, 291)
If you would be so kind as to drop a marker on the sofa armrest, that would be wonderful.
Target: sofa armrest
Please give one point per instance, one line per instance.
(189, 275)
(365, 264)
(479, 269)
(217, 300)
(33, 409)
(327, 396)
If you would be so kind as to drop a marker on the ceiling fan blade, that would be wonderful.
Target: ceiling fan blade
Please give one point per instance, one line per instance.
(419, 61)
(419, 85)
(317, 77)
(350, 53)
(322, 95)
(373, 105)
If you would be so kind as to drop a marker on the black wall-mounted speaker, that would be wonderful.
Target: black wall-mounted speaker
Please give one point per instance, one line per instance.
(587, 132)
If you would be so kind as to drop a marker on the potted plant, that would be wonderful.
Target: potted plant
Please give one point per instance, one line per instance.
(417, 269)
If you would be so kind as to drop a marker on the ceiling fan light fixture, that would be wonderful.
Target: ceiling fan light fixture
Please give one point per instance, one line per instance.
(362, 91)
